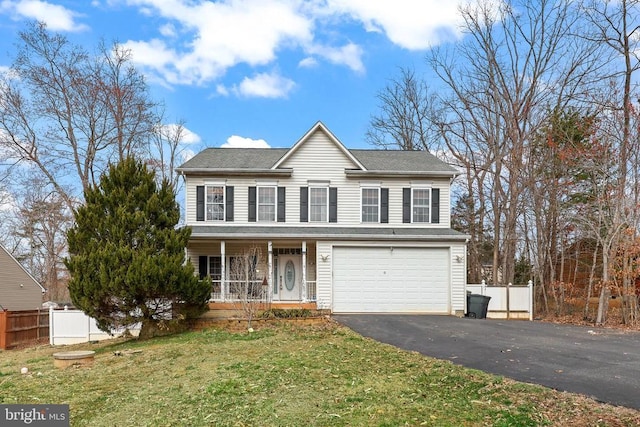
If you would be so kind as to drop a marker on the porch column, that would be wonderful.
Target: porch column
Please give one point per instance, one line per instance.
(270, 270)
(223, 271)
(304, 271)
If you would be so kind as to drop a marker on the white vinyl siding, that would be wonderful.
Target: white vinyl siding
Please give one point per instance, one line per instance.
(323, 278)
(318, 159)
(458, 278)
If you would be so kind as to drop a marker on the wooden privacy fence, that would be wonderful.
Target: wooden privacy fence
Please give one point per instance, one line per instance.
(507, 301)
(23, 327)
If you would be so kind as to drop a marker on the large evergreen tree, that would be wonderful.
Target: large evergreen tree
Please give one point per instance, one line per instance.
(127, 259)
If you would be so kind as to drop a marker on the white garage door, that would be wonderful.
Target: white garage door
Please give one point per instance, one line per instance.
(390, 280)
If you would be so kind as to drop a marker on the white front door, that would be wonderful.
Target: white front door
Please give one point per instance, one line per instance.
(289, 277)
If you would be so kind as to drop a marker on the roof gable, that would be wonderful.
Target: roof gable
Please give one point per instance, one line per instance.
(273, 162)
(319, 127)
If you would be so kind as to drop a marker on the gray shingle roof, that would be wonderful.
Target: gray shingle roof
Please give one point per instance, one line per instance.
(234, 158)
(401, 161)
(326, 233)
(227, 159)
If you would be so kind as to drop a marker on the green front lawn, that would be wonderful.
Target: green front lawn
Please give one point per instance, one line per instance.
(284, 375)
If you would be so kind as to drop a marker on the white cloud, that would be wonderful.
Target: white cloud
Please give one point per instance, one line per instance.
(308, 62)
(157, 53)
(222, 90)
(349, 55)
(265, 85)
(207, 38)
(187, 137)
(224, 34)
(411, 24)
(57, 18)
(168, 30)
(176, 132)
(235, 141)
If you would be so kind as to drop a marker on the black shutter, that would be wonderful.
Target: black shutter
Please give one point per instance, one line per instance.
(384, 205)
(281, 204)
(435, 205)
(229, 204)
(200, 203)
(252, 204)
(406, 205)
(304, 204)
(202, 266)
(333, 204)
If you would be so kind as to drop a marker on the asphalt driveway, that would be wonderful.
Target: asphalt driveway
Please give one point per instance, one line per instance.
(601, 363)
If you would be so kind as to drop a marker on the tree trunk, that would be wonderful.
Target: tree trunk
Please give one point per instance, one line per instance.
(592, 275)
(603, 305)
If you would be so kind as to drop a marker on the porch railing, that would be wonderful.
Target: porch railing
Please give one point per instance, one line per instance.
(311, 290)
(235, 290)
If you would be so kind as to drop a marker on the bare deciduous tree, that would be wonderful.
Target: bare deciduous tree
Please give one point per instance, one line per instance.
(247, 274)
(404, 120)
(518, 62)
(70, 113)
(166, 150)
(616, 25)
(41, 224)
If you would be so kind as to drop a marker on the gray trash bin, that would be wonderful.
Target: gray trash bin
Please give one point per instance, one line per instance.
(477, 306)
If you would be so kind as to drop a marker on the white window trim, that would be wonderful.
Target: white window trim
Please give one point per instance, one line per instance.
(207, 185)
(326, 189)
(421, 187)
(370, 187)
(275, 201)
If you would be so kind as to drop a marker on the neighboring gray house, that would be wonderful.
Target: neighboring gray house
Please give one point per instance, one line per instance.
(18, 289)
(349, 230)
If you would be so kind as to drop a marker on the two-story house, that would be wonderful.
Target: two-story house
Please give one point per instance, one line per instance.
(351, 230)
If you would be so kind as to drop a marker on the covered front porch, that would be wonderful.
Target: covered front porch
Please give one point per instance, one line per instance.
(274, 272)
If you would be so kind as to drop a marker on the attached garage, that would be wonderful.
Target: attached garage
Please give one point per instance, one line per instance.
(391, 280)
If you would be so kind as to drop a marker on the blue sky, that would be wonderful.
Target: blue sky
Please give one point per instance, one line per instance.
(255, 71)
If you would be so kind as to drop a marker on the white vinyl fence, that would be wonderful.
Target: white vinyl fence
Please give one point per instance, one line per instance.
(73, 327)
(507, 302)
